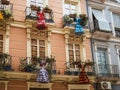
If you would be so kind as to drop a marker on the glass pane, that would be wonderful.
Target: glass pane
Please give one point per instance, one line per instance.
(77, 46)
(67, 6)
(1, 50)
(41, 42)
(77, 53)
(1, 37)
(34, 41)
(70, 52)
(70, 46)
(34, 48)
(1, 44)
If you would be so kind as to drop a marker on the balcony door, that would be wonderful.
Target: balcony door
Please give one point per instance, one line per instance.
(103, 67)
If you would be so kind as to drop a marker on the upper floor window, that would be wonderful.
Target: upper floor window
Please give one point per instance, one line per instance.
(100, 22)
(39, 3)
(74, 52)
(37, 48)
(71, 7)
(116, 19)
(1, 43)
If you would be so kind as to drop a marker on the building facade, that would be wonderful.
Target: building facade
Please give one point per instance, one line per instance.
(104, 20)
(22, 37)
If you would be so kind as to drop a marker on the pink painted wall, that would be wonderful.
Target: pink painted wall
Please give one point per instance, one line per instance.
(56, 6)
(19, 9)
(58, 50)
(18, 45)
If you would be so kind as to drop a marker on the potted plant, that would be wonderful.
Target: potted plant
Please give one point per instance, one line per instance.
(73, 15)
(5, 2)
(67, 20)
(84, 19)
(5, 61)
(48, 14)
(33, 7)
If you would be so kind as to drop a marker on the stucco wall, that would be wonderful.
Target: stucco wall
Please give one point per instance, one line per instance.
(58, 50)
(18, 45)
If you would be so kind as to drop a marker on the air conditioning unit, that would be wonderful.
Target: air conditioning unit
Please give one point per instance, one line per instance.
(105, 85)
(118, 1)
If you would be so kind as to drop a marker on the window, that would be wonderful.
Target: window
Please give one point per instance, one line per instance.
(102, 60)
(100, 21)
(38, 48)
(116, 19)
(70, 9)
(1, 43)
(74, 52)
(40, 3)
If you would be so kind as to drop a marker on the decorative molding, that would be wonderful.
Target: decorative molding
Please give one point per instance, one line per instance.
(81, 87)
(39, 85)
(96, 5)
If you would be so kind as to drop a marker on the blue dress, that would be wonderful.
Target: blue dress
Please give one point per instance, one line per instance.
(78, 27)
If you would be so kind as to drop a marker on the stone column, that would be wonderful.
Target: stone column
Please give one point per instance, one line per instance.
(28, 43)
(7, 38)
(49, 43)
(83, 49)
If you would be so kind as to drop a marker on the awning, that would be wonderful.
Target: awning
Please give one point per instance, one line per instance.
(102, 22)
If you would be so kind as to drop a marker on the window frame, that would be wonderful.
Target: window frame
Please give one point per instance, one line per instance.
(45, 2)
(38, 47)
(74, 51)
(77, 5)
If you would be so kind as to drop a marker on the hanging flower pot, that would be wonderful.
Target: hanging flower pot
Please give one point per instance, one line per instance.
(5, 2)
(33, 7)
(72, 15)
(47, 10)
(84, 19)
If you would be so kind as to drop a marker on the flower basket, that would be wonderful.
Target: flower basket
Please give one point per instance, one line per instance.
(84, 19)
(47, 10)
(72, 15)
(5, 2)
(33, 7)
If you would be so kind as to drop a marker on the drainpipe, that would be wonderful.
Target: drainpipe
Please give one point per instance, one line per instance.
(91, 42)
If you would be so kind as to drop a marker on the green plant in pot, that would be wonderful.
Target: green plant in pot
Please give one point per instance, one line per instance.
(84, 19)
(67, 20)
(5, 61)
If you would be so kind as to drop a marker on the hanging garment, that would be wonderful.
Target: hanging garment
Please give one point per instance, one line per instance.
(42, 74)
(41, 25)
(78, 27)
(1, 16)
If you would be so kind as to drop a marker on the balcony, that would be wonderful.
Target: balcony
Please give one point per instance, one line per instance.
(107, 71)
(32, 17)
(6, 9)
(76, 27)
(28, 71)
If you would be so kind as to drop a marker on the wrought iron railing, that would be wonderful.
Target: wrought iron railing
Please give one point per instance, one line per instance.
(6, 9)
(106, 70)
(28, 64)
(32, 15)
(5, 62)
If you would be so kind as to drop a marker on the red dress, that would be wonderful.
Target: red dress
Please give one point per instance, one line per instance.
(41, 25)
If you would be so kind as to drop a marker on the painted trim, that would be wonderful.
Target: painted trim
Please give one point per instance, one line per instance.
(39, 85)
